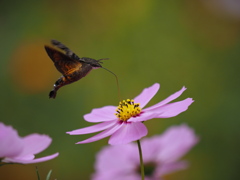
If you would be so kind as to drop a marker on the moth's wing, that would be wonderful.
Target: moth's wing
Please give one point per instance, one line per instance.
(62, 62)
(68, 52)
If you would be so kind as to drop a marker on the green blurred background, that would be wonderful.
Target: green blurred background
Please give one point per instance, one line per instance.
(179, 42)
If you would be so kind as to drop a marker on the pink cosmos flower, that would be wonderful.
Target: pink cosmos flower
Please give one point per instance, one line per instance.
(16, 149)
(161, 154)
(124, 123)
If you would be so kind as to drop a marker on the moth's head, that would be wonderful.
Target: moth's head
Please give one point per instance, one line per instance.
(93, 62)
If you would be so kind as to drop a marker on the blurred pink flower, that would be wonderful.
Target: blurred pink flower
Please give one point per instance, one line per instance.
(161, 154)
(124, 123)
(16, 149)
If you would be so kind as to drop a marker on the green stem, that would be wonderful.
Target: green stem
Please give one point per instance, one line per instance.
(38, 176)
(141, 159)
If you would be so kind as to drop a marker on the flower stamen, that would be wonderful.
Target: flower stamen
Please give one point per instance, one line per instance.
(127, 109)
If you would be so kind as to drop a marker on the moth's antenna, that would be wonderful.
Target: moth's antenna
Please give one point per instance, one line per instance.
(116, 81)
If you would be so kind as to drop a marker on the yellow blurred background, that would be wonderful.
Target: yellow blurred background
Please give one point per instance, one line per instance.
(195, 43)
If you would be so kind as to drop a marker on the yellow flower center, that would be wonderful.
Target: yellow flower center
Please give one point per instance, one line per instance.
(127, 109)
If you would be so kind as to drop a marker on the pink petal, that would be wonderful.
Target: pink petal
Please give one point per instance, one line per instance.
(24, 161)
(128, 132)
(29, 145)
(175, 143)
(144, 116)
(167, 100)
(146, 95)
(168, 168)
(117, 176)
(33, 144)
(102, 135)
(121, 163)
(10, 143)
(150, 154)
(106, 113)
(173, 109)
(92, 129)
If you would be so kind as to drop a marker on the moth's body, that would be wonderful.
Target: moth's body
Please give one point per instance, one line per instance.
(70, 65)
(71, 76)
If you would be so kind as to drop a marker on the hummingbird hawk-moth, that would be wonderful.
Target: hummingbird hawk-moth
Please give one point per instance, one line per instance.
(69, 65)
